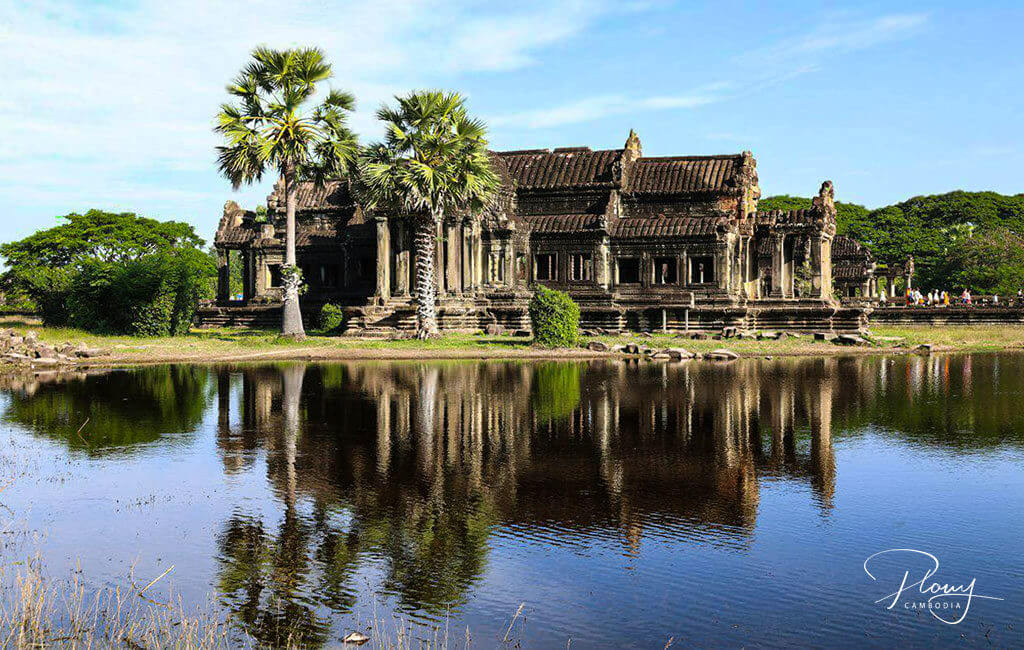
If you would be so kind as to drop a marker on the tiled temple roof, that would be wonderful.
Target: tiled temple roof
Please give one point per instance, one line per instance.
(562, 168)
(667, 226)
(684, 174)
(333, 195)
(847, 248)
(551, 223)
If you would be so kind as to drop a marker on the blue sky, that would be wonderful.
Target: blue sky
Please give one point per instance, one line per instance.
(111, 104)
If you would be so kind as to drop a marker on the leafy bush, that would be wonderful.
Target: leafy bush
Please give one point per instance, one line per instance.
(555, 318)
(112, 273)
(331, 318)
(156, 295)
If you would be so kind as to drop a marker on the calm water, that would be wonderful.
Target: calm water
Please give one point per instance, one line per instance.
(622, 504)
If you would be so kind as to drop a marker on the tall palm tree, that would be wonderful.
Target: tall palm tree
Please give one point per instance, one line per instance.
(267, 128)
(432, 163)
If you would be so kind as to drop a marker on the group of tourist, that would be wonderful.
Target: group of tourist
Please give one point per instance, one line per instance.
(915, 298)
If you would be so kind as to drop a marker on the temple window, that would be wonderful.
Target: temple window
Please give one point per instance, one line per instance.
(274, 275)
(628, 270)
(581, 267)
(545, 266)
(702, 269)
(328, 275)
(496, 266)
(366, 268)
(666, 270)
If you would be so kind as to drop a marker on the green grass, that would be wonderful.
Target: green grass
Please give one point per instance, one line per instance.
(200, 345)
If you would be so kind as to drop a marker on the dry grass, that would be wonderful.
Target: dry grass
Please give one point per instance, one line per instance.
(38, 612)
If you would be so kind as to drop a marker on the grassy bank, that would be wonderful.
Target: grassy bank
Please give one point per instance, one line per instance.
(233, 345)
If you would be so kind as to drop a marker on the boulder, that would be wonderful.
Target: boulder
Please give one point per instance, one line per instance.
(43, 351)
(747, 334)
(677, 354)
(493, 329)
(17, 340)
(14, 357)
(521, 333)
(31, 338)
(768, 335)
(700, 336)
(729, 332)
(45, 361)
(597, 346)
(631, 348)
(824, 336)
(721, 354)
(849, 339)
(924, 347)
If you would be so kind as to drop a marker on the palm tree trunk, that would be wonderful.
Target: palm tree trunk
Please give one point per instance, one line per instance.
(292, 320)
(426, 289)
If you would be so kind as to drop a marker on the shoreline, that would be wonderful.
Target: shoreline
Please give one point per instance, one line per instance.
(251, 346)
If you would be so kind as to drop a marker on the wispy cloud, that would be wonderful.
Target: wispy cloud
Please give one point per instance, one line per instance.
(593, 108)
(122, 95)
(838, 36)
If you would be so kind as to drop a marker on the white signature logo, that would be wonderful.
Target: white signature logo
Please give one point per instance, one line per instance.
(939, 599)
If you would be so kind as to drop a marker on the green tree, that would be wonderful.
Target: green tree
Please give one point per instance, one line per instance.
(432, 164)
(848, 215)
(267, 127)
(115, 272)
(989, 260)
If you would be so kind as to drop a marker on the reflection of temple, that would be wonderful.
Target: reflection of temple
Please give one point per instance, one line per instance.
(429, 461)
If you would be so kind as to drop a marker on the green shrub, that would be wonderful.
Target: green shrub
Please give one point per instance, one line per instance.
(155, 295)
(555, 318)
(331, 318)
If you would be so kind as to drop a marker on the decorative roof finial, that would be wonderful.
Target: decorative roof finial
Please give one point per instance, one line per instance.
(633, 144)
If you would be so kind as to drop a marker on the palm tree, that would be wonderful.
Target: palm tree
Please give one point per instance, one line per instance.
(268, 129)
(433, 163)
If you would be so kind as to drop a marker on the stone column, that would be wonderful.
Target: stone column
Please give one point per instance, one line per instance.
(223, 275)
(722, 261)
(383, 290)
(478, 255)
(602, 274)
(452, 274)
(467, 254)
(778, 265)
(510, 263)
(402, 261)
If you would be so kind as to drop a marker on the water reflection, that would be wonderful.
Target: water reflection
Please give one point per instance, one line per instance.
(413, 473)
(102, 410)
(418, 465)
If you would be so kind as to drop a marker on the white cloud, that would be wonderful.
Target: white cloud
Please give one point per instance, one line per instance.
(118, 100)
(838, 36)
(597, 107)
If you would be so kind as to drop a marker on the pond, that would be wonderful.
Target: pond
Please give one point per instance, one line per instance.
(608, 502)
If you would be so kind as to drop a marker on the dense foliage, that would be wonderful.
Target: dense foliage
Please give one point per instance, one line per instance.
(959, 239)
(112, 273)
(331, 318)
(555, 318)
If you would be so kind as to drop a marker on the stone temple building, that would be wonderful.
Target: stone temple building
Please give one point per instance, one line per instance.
(642, 243)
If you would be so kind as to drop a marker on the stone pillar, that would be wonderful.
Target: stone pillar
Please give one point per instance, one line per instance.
(453, 276)
(722, 261)
(602, 274)
(778, 265)
(510, 263)
(684, 270)
(467, 254)
(478, 255)
(223, 275)
(402, 261)
(383, 290)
